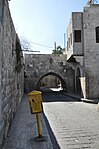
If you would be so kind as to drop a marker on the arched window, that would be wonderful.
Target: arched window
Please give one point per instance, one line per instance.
(97, 34)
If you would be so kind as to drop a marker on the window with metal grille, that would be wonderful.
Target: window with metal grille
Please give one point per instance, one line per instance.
(77, 35)
(97, 34)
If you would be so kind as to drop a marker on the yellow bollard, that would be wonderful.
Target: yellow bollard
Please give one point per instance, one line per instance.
(38, 125)
(35, 101)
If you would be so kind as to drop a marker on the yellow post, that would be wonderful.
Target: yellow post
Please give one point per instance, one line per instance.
(38, 125)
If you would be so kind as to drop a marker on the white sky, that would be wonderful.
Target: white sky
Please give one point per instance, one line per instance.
(43, 21)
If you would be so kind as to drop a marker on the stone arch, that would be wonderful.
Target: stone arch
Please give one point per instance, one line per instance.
(63, 83)
(78, 82)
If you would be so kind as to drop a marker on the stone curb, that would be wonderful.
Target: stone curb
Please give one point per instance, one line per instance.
(96, 101)
(89, 101)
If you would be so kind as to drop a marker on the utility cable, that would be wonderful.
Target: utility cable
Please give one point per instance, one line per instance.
(41, 45)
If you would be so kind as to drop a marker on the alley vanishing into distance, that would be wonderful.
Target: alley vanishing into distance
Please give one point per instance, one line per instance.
(72, 124)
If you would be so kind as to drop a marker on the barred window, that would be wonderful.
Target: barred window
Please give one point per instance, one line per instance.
(77, 35)
(97, 34)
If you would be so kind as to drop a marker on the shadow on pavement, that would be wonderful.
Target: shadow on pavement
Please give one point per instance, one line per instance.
(57, 96)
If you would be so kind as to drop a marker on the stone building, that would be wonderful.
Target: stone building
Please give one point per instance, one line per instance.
(81, 56)
(83, 48)
(11, 70)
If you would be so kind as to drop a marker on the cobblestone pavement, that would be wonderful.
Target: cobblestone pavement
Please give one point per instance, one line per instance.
(74, 124)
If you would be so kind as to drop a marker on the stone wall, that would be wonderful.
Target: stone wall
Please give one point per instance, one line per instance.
(37, 66)
(86, 52)
(91, 51)
(11, 71)
(69, 49)
(77, 25)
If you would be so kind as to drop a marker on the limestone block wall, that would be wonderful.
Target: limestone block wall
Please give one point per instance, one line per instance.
(77, 18)
(86, 52)
(76, 23)
(91, 51)
(11, 72)
(50, 81)
(69, 49)
(1, 117)
(36, 65)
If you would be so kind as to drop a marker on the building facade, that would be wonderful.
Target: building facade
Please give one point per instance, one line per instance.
(83, 46)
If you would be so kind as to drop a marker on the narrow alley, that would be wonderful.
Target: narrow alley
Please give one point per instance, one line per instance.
(66, 123)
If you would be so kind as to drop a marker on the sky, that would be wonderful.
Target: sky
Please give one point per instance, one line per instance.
(43, 21)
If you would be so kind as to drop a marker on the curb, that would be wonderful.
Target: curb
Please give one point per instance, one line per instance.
(89, 101)
(73, 96)
(96, 101)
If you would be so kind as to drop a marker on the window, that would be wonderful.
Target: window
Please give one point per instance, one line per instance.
(77, 35)
(97, 34)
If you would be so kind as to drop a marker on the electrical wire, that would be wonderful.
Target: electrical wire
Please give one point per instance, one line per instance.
(41, 45)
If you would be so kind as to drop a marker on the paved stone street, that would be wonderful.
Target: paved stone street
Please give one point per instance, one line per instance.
(75, 124)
